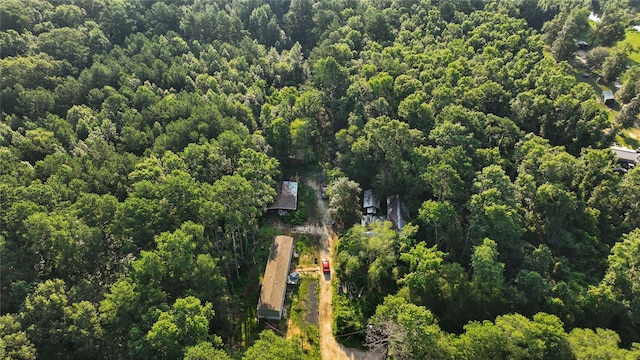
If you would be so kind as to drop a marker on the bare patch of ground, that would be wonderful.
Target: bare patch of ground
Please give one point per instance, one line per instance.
(312, 304)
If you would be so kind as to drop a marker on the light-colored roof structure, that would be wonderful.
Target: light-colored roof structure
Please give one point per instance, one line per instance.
(607, 95)
(397, 211)
(624, 154)
(369, 201)
(286, 196)
(274, 283)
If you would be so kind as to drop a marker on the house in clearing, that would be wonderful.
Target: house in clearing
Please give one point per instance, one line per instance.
(274, 283)
(286, 197)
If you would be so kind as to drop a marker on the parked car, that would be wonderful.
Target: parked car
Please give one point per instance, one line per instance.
(325, 266)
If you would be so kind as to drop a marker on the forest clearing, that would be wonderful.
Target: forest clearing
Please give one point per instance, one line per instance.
(460, 179)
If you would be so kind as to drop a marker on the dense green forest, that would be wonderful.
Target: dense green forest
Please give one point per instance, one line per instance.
(140, 143)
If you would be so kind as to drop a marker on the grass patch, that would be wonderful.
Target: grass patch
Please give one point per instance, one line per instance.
(348, 318)
(307, 205)
(267, 232)
(632, 38)
(307, 248)
(299, 297)
(629, 138)
(304, 307)
(591, 81)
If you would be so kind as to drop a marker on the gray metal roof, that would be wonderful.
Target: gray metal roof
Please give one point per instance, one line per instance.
(397, 211)
(370, 200)
(607, 95)
(274, 283)
(628, 155)
(286, 196)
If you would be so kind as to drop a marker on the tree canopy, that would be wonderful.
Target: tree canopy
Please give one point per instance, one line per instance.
(141, 142)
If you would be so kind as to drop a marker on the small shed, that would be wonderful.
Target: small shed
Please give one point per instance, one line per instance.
(626, 157)
(370, 204)
(582, 45)
(286, 197)
(274, 283)
(608, 98)
(397, 212)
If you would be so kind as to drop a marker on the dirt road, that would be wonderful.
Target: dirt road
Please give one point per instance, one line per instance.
(329, 347)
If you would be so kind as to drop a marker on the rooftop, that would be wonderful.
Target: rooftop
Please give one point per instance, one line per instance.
(628, 155)
(274, 283)
(607, 95)
(397, 211)
(370, 200)
(286, 196)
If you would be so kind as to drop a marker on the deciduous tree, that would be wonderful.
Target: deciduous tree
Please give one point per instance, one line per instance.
(344, 201)
(622, 275)
(615, 64)
(405, 331)
(185, 324)
(14, 343)
(272, 347)
(601, 343)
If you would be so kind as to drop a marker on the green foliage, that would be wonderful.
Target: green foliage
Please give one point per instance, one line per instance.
(516, 337)
(271, 346)
(598, 344)
(348, 316)
(488, 277)
(14, 343)
(620, 276)
(140, 144)
(615, 64)
(611, 27)
(205, 351)
(495, 214)
(344, 201)
(564, 45)
(406, 330)
(437, 215)
(56, 325)
(186, 324)
(365, 264)
(307, 204)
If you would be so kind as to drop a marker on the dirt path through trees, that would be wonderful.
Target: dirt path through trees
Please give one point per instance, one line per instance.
(329, 347)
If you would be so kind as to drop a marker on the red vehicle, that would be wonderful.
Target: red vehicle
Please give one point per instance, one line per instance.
(325, 266)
